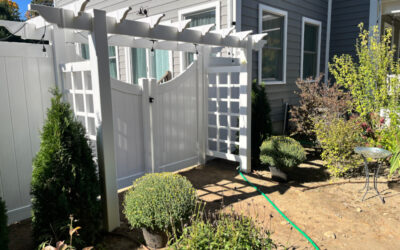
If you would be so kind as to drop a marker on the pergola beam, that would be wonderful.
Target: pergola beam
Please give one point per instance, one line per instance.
(25, 30)
(66, 19)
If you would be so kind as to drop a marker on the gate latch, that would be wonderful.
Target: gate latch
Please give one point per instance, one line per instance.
(151, 99)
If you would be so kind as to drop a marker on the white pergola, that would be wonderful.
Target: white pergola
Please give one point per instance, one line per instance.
(100, 30)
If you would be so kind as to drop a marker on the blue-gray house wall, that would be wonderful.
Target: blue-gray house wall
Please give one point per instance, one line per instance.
(297, 9)
(346, 15)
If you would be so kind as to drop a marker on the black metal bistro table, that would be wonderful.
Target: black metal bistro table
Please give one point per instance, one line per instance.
(376, 154)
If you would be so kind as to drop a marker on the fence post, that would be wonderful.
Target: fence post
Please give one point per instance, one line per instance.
(203, 61)
(245, 110)
(147, 113)
(100, 72)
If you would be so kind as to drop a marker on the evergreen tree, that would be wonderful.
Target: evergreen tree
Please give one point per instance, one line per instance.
(9, 10)
(30, 14)
(261, 126)
(3, 226)
(64, 180)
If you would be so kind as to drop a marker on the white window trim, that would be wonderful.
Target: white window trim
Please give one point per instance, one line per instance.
(306, 20)
(181, 13)
(261, 9)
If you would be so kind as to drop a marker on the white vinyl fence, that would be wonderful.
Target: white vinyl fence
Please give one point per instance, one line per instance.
(133, 129)
(157, 127)
(26, 75)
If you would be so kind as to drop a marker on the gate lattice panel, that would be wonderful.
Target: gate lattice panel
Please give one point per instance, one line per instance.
(79, 92)
(224, 112)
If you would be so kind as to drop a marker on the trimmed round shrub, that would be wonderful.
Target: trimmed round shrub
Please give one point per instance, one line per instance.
(3, 226)
(159, 201)
(282, 152)
(64, 180)
(227, 232)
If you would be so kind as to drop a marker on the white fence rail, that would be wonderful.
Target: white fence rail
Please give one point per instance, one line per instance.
(26, 75)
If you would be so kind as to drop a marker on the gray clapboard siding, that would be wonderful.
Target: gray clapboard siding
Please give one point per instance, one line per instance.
(346, 15)
(315, 9)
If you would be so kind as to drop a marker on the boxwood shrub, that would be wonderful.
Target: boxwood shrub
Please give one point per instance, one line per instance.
(282, 152)
(159, 201)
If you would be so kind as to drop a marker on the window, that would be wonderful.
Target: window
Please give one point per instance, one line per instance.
(139, 64)
(310, 48)
(272, 58)
(112, 60)
(160, 64)
(198, 19)
(199, 15)
(85, 51)
(112, 55)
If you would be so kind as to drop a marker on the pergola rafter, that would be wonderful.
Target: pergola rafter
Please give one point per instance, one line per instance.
(150, 28)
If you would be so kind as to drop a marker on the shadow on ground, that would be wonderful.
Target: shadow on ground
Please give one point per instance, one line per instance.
(219, 183)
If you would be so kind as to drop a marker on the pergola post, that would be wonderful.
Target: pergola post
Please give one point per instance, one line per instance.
(100, 73)
(245, 109)
(58, 46)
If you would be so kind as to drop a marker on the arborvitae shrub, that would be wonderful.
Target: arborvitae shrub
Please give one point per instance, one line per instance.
(261, 126)
(282, 152)
(3, 226)
(64, 180)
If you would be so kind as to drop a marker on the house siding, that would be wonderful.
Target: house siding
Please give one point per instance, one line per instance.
(169, 7)
(285, 93)
(346, 15)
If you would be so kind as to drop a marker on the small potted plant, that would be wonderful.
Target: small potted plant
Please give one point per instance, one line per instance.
(281, 153)
(158, 202)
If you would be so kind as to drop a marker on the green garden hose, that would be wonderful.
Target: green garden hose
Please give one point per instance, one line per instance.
(280, 212)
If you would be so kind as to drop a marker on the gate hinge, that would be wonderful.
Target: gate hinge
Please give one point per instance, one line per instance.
(151, 99)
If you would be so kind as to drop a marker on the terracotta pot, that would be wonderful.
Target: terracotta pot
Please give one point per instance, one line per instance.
(154, 239)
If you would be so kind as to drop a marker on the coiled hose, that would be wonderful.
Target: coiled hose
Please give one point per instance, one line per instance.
(279, 211)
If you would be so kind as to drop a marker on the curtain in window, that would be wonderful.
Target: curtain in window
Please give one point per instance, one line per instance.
(139, 64)
(160, 63)
(85, 51)
(310, 51)
(272, 53)
(198, 19)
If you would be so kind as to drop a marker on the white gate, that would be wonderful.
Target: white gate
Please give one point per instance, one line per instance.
(173, 126)
(155, 125)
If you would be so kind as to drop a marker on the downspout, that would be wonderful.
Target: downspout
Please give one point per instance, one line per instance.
(375, 12)
(238, 14)
(328, 40)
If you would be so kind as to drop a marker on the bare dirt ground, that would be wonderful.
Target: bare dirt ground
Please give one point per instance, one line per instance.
(329, 211)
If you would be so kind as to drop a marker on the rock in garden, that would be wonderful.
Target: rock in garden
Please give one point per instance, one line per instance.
(330, 235)
(284, 222)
